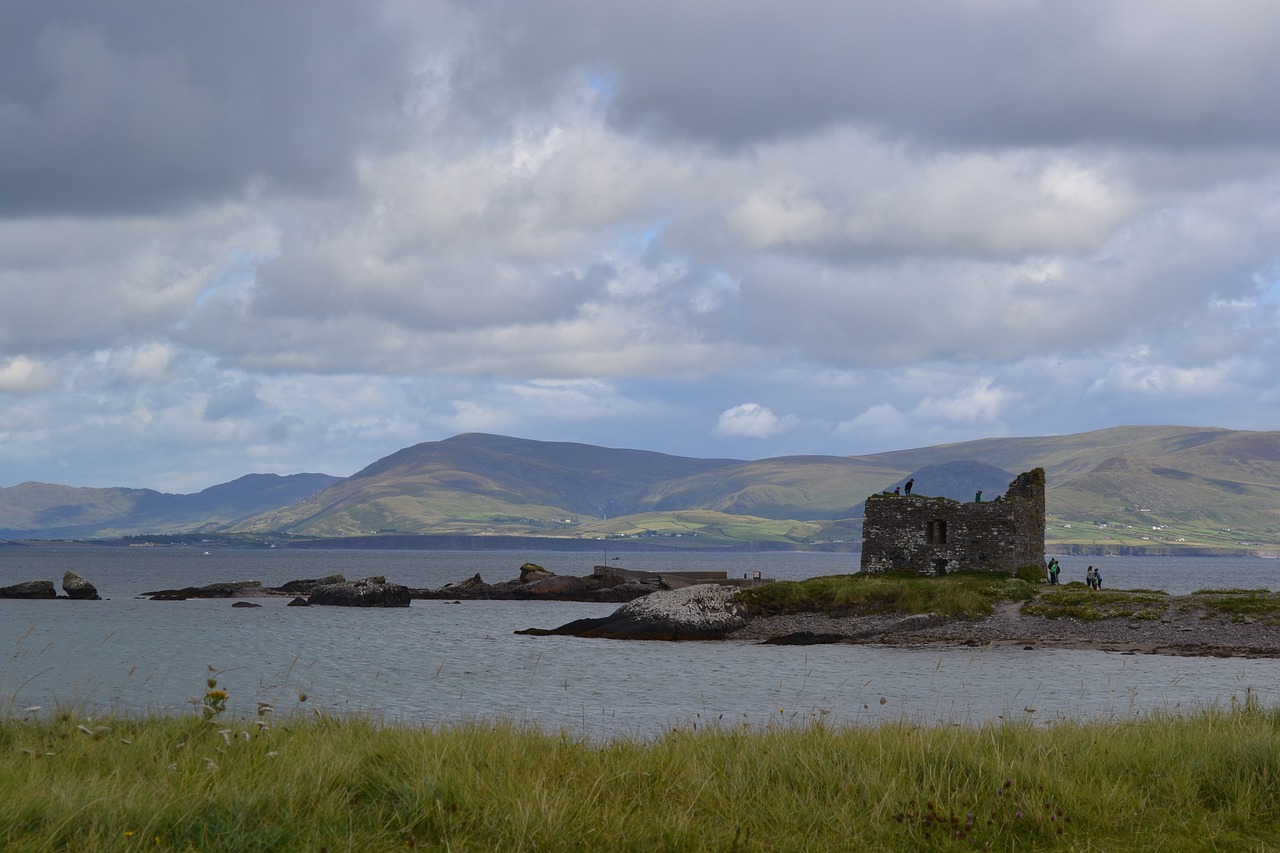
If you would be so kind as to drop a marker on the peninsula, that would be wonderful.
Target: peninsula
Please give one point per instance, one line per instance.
(970, 609)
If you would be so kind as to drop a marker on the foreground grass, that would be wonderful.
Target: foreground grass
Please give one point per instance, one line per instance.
(970, 594)
(1208, 781)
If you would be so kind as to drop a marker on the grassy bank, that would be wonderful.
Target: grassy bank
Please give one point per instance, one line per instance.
(974, 595)
(1207, 781)
(970, 594)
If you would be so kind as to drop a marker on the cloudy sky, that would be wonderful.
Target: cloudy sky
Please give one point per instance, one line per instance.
(297, 236)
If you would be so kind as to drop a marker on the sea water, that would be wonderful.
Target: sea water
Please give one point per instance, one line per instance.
(442, 661)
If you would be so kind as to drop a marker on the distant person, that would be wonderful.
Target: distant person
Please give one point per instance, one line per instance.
(978, 497)
(1089, 577)
(1097, 578)
(1054, 568)
(910, 483)
(896, 490)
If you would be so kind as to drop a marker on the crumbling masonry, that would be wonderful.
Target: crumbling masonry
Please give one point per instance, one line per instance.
(934, 536)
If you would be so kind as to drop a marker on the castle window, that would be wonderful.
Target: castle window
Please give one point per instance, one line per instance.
(937, 532)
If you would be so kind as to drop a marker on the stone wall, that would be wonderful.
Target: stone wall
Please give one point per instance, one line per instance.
(934, 536)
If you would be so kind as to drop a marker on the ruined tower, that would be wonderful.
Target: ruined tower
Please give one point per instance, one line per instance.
(934, 536)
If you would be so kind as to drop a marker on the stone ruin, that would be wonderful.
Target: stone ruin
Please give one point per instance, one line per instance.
(934, 536)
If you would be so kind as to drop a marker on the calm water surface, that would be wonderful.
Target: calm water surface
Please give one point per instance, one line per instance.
(439, 661)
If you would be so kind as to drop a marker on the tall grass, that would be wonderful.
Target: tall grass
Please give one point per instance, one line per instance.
(1206, 781)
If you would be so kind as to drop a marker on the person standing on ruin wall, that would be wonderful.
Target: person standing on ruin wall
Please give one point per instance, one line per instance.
(910, 483)
(978, 497)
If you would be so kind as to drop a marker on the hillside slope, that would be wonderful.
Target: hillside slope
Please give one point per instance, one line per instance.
(1154, 489)
(1132, 487)
(46, 511)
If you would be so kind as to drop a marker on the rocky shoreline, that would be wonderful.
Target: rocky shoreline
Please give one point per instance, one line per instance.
(534, 583)
(1185, 633)
(704, 613)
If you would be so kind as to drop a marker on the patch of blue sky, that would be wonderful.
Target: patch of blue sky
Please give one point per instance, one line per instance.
(641, 238)
(600, 82)
(236, 276)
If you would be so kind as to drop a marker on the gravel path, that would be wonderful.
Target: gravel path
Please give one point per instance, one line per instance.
(1176, 633)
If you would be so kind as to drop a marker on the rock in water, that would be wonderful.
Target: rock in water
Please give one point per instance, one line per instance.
(531, 572)
(555, 586)
(78, 588)
(308, 584)
(370, 592)
(29, 589)
(700, 612)
(225, 589)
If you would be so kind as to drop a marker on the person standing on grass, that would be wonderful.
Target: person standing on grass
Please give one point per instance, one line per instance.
(1097, 578)
(1053, 571)
(1088, 577)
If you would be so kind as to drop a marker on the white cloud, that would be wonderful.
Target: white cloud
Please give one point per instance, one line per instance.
(22, 375)
(751, 420)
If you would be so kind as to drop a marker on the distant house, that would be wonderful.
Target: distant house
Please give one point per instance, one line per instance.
(934, 536)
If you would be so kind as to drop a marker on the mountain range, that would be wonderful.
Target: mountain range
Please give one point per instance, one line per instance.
(47, 511)
(1137, 489)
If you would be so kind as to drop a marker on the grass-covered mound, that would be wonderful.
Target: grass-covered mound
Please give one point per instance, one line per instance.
(1077, 601)
(1207, 781)
(970, 594)
(1239, 605)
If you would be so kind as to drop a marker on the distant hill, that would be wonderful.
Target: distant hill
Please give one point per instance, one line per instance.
(960, 480)
(1156, 489)
(45, 511)
(1130, 488)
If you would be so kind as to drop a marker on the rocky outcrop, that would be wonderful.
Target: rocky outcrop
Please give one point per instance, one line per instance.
(868, 631)
(702, 612)
(225, 589)
(305, 586)
(472, 588)
(369, 592)
(29, 589)
(534, 584)
(538, 584)
(78, 588)
(531, 572)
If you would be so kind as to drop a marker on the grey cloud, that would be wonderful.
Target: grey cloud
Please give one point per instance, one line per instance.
(77, 285)
(231, 399)
(149, 105)
(1158, 72)
(293, 236)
